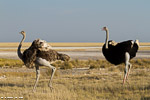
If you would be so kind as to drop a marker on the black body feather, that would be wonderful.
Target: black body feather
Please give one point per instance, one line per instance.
(116, 54)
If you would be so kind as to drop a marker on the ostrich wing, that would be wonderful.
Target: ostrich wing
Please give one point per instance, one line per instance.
(50, 55)
(125, 46)
(134, 50)
(128, 46)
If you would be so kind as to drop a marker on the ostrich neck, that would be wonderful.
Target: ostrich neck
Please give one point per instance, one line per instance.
(107, 38)
(19, 48)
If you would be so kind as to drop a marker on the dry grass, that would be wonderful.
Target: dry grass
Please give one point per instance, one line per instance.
(144, 48)
(95, 85)
(64, 44)
(144, 43)
(92, 64)
(27, 44)
(13, 46)
(101, 83)
(76, 44)
(15, 50)
(10, 63)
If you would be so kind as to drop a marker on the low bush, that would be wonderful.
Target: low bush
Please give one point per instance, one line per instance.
(66, 65)
(136, 63)
(10, 63)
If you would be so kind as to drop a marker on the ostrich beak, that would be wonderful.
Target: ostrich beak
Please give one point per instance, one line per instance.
(102, 29)
(21, 32)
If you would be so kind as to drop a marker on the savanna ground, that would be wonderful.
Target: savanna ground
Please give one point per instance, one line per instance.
(77, 79)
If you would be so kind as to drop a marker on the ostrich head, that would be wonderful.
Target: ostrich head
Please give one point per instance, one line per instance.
(64, 57)
(23, 33)
(104, 28)
(38, 43)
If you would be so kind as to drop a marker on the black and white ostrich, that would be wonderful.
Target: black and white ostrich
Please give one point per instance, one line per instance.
(120, 53)
(40, 54)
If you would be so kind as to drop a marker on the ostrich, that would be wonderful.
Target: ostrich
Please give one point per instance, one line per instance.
(120, 53)
(40, 54)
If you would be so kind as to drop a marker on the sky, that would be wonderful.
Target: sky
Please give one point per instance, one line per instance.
(74, 20)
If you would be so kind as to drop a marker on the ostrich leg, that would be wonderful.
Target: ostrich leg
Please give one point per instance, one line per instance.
(52, 74)
(37, 77)
(127, 65)
(43, 62)
(130, 65)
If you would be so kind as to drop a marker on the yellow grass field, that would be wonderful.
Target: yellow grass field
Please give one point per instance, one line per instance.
(78, 44)
(103, 82)
(65, 44)
(76, 79)
(93, 84)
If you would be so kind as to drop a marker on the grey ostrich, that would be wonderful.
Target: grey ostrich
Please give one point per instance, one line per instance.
(40, 54)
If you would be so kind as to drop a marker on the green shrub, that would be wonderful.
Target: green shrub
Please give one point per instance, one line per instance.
(92, 66)
(136, 63)
(66, 65)
(10, 63)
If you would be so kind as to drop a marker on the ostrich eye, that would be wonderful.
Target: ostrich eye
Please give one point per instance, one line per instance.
(41, 42)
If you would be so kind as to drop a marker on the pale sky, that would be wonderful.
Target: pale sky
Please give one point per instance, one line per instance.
(74, 20)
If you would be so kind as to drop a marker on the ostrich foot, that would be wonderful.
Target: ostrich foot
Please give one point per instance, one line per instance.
(127, 82)
(51, 88)
(34, 90)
